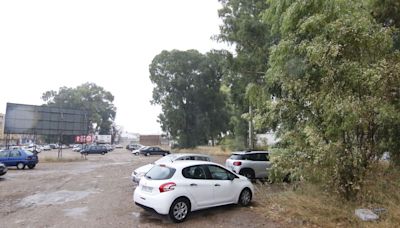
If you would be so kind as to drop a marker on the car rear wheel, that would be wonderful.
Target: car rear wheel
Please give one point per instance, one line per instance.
(179, 210)
(102, 153)
(165, 154)
(20, 166)
(247, 173)
(147, 154)
(31, 166)
(245, 197)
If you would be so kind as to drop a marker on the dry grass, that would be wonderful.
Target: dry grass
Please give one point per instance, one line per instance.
(54, 159)
(308, 205)
(210, 150)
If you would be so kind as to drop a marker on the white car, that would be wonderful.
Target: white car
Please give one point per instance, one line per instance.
(177, 188)
(138, 173)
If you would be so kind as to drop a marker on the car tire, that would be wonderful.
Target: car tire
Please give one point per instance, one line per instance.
(20, 166)
(249, 173)
(165, 154)
(147, 154)
(137, 153)
(31, 166)
(245, 197)
(179, 210)
(102, 153)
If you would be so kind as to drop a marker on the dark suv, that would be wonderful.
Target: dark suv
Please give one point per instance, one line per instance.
(99, 149)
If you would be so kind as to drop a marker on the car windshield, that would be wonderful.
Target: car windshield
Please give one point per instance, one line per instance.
(160, 173)
(168, 158)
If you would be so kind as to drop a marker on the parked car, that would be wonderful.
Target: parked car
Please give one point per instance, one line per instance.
(151, 150)
(34, 148)
(46, 147)
(138, 173)
(77, 148)
(133, 147)
(99, 149)
(253, 164)
(3, 169)
(54, 146)
(109, 147)
(178, 188)
(19, 158)
(118, 146)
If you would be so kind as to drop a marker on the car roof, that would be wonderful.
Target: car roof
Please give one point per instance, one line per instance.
(179, 155)
(250, 152)
(185, 163)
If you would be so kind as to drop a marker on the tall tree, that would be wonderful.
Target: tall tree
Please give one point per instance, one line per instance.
(89, 96)
(187, 86)
(244, 28)
(329, 74)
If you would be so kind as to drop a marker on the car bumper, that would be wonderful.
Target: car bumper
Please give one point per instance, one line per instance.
(136, 178)
(160, 203)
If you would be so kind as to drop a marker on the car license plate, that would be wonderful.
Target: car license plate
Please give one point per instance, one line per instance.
(147, 188)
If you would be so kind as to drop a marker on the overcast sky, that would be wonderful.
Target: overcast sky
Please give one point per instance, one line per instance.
(48, 44)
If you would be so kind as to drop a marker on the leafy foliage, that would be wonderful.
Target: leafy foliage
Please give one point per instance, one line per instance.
(327, 76)
(243, 27)
(97, 101)
(188, 90)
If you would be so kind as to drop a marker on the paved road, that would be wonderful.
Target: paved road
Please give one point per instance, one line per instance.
(97, 192)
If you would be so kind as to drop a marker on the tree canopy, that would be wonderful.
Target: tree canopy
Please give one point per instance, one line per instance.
(90, 97)
(188, 90)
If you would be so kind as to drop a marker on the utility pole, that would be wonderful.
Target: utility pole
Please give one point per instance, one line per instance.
(251, 131)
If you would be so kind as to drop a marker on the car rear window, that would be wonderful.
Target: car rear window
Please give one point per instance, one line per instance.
(237, 157)
(160, 173)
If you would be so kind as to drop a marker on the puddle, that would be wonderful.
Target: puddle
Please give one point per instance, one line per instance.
(54, 198)
(76, 212)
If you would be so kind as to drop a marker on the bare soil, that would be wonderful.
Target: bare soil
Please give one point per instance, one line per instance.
(97, 192)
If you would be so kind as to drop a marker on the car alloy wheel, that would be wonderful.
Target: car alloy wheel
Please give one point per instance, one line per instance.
(245, 197)
(137, 153)
(147, 154)
(179, 210)
(20, 166)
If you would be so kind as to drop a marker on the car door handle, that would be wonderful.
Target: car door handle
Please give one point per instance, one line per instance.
(217, 185)
(193, 185)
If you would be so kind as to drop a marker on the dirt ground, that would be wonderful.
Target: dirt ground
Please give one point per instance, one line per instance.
(97, 192)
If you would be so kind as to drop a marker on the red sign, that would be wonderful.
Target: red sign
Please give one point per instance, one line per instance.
(83, 139)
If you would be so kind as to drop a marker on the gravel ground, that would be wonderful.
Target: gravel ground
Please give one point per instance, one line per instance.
(97, 192)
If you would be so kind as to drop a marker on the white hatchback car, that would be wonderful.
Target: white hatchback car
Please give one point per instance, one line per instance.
(177, 188)
(138, 173)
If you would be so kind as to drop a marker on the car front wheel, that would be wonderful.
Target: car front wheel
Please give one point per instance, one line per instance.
(179, 210)
(245, 197)
(20, 166)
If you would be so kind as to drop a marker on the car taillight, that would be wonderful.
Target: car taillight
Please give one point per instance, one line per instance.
(237, 163)
(167, 187)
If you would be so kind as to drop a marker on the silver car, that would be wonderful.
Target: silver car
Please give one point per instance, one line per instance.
(138, 173)
(3, 169)
(253, 164)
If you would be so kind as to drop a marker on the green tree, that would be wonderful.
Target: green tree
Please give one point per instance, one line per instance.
(330, 75)
(90, 97)
(244, 29)
(187, 86)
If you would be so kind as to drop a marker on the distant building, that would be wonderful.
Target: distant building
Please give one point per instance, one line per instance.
(267, 139)
(1, 127)
(150, 140)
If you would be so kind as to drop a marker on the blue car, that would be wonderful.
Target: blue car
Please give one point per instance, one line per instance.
(19, 158)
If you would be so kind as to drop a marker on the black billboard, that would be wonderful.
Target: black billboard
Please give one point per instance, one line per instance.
(44, 120)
